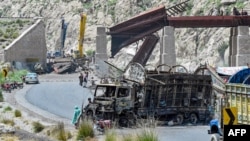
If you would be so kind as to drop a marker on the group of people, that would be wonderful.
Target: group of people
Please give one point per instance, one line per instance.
(237, 12)
(83, 78)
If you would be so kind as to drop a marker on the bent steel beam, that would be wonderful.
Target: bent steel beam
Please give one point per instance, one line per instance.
(145, 50)
(137, 28)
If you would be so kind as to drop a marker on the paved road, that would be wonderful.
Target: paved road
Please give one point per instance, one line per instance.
(54, 98)
(58, 98)
(175, 133)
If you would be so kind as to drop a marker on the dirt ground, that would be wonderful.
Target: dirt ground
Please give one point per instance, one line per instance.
(22, 125)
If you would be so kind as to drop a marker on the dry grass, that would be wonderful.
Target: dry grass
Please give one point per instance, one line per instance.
(111, 135)
(59, 132)
(90, 139)
(147, 135)
(85, 130)
(128, 137)
(8, 121)
(8, 137)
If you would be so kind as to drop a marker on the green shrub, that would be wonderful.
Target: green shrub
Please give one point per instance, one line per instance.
(89, 52)
(239, 5)
(8, 108)
(87, 5)
(6, 35)
(18, 113)
(85, 130)
(15, 35)
(19, 22)
(189, 8)
(147, 135)
(16, 75)
(1, 33)
(1, 96)
(37, 127)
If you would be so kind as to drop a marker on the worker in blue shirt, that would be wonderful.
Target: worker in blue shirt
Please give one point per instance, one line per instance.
(215, 126)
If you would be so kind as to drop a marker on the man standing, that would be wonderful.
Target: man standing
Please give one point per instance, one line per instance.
(80, 79)
(85, 78)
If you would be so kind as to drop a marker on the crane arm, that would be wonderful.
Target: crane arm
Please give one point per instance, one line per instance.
(81, 34)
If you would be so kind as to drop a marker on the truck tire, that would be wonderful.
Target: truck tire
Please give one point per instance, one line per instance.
(215, 137)
(179, 119)
(123, 121)
(89, 115)
(193, 118)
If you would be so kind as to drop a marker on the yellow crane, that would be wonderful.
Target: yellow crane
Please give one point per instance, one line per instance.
(78, 55)
(79, 52)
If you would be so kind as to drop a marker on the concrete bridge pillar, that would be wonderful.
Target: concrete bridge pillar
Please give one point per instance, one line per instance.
(101, 51)
(239, 46)
(232, 47)
(167, 48)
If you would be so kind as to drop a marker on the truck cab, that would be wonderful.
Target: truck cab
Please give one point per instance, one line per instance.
(113, 101)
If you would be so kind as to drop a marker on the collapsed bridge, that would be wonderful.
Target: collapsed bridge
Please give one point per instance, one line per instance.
(144, 25)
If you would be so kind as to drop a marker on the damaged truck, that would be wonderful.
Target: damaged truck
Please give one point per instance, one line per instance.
(162, 95)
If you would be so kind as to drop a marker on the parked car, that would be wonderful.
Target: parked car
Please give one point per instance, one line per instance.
(31, 77)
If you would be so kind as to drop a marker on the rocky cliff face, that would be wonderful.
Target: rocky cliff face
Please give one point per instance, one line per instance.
(193, 46)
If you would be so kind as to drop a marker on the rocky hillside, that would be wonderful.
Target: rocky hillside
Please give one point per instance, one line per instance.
(194, 46)
(11, 29)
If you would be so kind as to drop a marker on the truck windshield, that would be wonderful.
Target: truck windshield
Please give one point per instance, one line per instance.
(105, 91)
(123, 92)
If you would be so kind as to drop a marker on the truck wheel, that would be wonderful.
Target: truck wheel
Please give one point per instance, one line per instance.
(89, 115)
(123, 122)
(179, 119)
(193, 118)
(215, 137)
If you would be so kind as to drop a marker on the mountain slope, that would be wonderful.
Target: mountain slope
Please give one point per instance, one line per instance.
(193, 46)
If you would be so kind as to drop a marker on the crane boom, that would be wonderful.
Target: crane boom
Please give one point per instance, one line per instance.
(81, 34)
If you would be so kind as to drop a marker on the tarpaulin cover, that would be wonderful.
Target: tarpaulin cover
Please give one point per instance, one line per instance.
(240, 76)
(229, 70)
